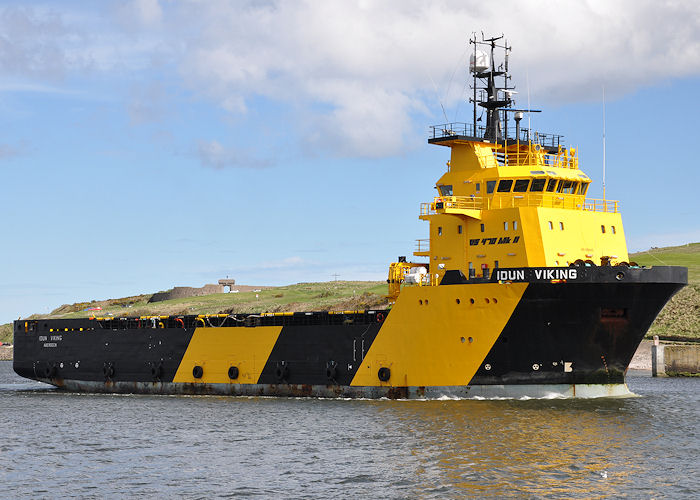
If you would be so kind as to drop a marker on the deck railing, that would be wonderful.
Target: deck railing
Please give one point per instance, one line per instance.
(456, 129)
(422, 245)
(444, 204)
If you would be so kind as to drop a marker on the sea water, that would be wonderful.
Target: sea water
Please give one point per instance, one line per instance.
(58, 444)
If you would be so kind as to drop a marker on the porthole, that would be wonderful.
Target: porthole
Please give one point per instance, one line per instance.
(495, 300)
(462, 340)
(471, 301)
(487, 300)
(471, 340)
(457, 300)
(420, 302)
(426, 302)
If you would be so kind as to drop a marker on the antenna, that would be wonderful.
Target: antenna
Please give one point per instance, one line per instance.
(527, 82)
(435, 89)
(603, 142)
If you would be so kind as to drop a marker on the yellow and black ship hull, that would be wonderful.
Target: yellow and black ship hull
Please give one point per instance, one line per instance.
(536, 332)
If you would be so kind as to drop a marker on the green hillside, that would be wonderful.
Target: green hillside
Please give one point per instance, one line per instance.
(681, 316)
(685, 255)
(328, 296)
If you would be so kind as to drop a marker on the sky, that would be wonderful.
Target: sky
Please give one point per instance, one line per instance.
(150, 144)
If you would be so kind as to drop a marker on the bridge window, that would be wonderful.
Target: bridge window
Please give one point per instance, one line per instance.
(566, 187)
(459, 229)
(521, 185)
(445, 190)
(478, 187)
(505, 185)
(583, 188)
(505, 225)
(537, 184)
(490, 186)
(551, 185)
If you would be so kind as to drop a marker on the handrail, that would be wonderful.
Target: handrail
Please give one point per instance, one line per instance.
(454, 129)
(442, 204)
(422, 245)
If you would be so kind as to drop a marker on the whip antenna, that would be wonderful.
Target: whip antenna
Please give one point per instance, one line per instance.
(435, 89)
(603, 142)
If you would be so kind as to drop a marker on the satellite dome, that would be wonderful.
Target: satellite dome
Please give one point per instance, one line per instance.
(479, 62)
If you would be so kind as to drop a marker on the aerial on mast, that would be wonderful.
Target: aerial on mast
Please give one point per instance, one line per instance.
(493, 92)
(482, 65)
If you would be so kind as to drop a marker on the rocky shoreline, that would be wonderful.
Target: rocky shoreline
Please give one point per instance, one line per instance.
(642, 357)
(6, 353)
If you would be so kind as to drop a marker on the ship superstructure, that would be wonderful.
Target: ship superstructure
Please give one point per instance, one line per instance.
(510, 197)
(523, 289)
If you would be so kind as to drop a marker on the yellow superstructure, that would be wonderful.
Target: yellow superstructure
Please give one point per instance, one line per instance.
(508, 199)
(514, 205)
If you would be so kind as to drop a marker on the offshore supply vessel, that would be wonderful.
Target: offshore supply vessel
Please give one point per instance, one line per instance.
(524, 288)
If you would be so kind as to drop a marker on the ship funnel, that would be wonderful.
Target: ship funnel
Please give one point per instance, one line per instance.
(479, 62)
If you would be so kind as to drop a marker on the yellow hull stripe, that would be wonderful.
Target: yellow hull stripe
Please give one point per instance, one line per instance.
(217, 349)
(425, 341)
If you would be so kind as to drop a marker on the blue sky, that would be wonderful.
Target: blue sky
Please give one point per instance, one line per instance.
(148, 144)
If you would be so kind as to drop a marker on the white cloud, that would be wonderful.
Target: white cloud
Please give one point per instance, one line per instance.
(213, 154)
(358, 75)
(370, 65)
(31, 43)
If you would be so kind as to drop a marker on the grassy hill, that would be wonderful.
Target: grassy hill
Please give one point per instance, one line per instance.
(328, 296)
(681, 316)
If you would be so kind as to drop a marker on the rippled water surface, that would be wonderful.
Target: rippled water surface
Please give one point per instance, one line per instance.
(57, 444)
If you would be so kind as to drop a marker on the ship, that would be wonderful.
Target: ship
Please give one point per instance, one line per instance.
(524, 288)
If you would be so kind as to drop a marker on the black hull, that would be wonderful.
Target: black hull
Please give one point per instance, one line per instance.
(577, 332)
